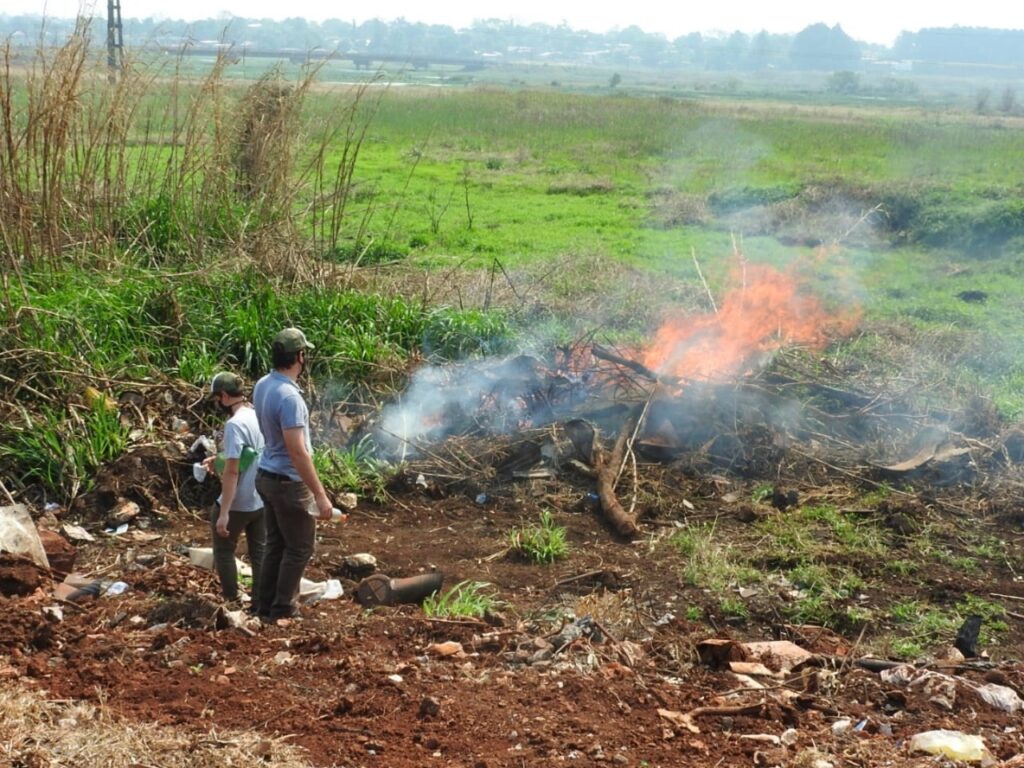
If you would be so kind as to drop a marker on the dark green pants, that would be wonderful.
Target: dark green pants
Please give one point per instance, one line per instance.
(254, 526)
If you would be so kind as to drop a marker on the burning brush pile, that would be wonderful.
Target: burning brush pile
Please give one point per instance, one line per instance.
(743, 389)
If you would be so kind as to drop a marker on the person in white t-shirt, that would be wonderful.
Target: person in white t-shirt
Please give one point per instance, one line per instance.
(239, 508)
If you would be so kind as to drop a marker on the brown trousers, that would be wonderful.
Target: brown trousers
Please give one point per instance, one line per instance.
(291, 533)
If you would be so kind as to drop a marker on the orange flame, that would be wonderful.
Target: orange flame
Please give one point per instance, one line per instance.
(763, 313)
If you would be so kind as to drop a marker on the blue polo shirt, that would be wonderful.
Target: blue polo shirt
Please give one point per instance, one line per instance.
(279, 406)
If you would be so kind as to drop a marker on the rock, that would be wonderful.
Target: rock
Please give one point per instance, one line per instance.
(429, 707)
(54, 613)
(59, 551)
(360, 564)
(19, 575)
(123, 512)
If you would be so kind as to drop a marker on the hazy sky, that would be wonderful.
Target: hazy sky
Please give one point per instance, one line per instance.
(868, 20)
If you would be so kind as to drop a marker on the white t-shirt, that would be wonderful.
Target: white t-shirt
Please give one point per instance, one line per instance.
(243, 430)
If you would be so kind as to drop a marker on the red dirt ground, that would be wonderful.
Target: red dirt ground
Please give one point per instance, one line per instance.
(357, 687)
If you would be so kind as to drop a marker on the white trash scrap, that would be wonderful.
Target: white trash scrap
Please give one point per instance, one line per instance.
(18, 535)
(952, 744)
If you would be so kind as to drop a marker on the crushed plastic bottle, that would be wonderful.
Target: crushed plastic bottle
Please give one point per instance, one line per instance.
(952, 744)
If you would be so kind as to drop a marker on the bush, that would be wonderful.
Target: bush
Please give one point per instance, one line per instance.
(737, 199)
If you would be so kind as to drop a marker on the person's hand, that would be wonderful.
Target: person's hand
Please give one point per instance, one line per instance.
(208, 465)
(324, 507)
(222, 524)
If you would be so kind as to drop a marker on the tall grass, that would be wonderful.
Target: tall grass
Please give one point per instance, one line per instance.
(61, 450)
(70, 329)
(167, 168)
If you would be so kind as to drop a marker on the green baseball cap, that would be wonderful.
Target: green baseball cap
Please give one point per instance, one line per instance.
(291, 340)
(228, 382)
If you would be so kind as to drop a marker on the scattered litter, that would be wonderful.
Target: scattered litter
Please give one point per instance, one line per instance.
(144, 537)
(537, 473)
(315, 591)
(76, 533)
(448, 648)
(1000, 697)
(77, 588)
(379, 589)
(122, 528)
(347, 501)
(766, 738)
(18, 534)
(202, 557)
(952, 744)
(204, 445)
(841, 726)
(942, 688)
(786, 653)
(124, 512)
(751, 668)
(114, 588)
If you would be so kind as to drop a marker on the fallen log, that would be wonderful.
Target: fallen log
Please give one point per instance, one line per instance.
(607, 467)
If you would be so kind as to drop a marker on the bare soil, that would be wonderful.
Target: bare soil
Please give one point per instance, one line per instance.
(357, 687)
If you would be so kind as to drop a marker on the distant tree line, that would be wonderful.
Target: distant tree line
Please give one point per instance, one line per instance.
(968, 45)
(817, 47)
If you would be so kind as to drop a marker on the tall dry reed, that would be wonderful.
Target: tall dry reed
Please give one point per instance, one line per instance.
(169, 167)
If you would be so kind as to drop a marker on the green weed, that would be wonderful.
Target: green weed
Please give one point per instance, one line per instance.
(734, 607)
(474, 599)
(353, 470)
(63, 452)
(541, 543)
(710, 564)
(762, 492)
(921, 626)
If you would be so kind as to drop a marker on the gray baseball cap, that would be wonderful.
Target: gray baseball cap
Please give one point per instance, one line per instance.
(291, 340)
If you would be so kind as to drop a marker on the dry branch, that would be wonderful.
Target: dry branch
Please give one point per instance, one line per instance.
(607, 467)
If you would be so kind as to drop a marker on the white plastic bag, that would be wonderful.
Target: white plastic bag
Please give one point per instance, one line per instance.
(952, 744)
(1001, 697)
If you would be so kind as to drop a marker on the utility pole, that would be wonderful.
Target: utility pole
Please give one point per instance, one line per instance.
(115, 40)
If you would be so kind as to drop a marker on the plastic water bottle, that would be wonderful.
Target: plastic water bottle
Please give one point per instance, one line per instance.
(336, 514)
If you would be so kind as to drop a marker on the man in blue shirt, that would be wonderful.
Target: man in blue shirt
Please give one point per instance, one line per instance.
(286, 478)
